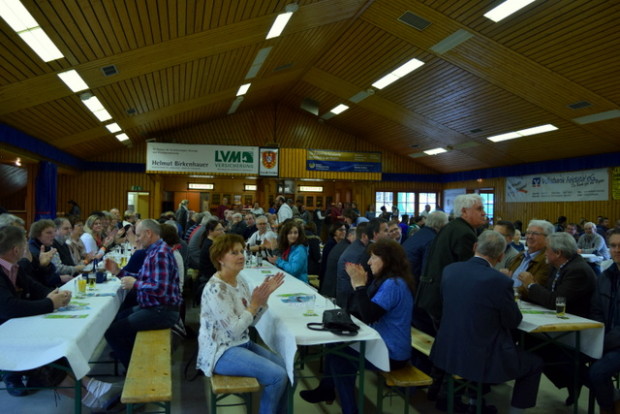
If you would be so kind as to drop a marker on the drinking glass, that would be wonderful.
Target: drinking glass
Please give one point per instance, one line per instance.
(560, 306)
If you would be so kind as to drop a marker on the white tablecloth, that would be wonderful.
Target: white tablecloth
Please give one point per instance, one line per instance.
(283, 326)
(537, 318)
(34, 341)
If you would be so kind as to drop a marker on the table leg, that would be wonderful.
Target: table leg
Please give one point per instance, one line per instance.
(577, 374)
(362, 368)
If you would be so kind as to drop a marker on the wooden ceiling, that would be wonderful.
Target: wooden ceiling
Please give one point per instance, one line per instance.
(181, 62)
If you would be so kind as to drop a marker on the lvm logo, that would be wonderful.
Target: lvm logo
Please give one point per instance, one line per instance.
(234, 156)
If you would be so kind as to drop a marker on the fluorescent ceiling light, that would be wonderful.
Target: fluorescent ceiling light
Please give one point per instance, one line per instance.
(452, 41)
(41, 44)
(310, 189)
(114, 127)
(243, 89)
(601, 116)
(73, 80)
(339, 109)
(94, 104)
(199, 186)
(20, 20)
(279, 25)
(398, 73)
(235, 105)
(537, 130)
(523, 133)
(260, 58)
(16, 15)
(122, 137)
(506, 9)
(435, 151)
(360, 96)
(200, 176)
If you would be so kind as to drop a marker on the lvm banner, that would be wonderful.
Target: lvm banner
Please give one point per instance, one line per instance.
(188, 158)
(586, 185)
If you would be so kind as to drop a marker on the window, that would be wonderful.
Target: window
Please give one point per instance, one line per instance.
(488, 202)
(406, 204)
(427, 198)
(383, 198)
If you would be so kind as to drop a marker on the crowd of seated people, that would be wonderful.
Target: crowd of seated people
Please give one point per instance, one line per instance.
(362, 263)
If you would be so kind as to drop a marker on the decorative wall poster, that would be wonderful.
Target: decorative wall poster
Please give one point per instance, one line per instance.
(341, 161)
(269, 162)
(188, 158)
(586, 185)
(615, 183)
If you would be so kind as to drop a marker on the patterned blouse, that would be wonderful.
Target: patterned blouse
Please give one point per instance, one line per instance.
(224, 320)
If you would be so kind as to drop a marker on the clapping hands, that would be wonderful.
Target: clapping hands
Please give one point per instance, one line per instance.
(262, 292)
(357, 273)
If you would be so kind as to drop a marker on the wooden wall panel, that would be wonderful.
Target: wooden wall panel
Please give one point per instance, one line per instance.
(94, 190)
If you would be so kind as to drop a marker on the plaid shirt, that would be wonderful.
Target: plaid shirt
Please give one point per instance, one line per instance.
(157, 282)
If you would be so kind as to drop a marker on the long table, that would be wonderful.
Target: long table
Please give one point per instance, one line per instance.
(283, 326)
(72, 333)
(581, 334)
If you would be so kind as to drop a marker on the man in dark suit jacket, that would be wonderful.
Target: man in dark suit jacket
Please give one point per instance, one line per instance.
(454, 243)
(573, 279)
(479, 311)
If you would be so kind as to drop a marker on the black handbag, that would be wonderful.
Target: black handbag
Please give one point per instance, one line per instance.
(336, 321)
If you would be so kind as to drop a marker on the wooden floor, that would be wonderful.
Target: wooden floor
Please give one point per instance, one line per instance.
(191, 397)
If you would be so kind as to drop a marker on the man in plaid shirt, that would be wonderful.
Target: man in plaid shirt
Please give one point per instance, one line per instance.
(157, 292)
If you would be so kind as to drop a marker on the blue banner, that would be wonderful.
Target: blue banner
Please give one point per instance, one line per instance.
(343, 166)
(45, 195)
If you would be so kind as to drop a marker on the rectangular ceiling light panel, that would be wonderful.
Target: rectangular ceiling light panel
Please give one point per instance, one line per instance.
(73, 80)
(452, 41)
(435, 151)
(506, 9)
(398, 73)
(601, 116)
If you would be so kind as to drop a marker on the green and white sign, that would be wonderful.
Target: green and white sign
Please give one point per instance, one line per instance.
(188, 158)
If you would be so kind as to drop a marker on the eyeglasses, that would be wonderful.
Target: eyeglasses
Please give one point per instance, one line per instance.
(534, 233)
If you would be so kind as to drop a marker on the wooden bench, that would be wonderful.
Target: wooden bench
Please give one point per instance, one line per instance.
(421, 341)
(404, 378)
(149, 377)
(223, 385)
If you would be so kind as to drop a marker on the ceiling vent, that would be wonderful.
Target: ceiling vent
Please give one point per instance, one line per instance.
(109, 70)
(414, 21)
(475, 131)
(580, 105)
(132, 111)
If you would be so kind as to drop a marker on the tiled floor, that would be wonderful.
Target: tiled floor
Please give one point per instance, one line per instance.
(191, 397)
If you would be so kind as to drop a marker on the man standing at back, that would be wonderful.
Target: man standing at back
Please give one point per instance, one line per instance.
(284, 210)
(454, 243)
(157, 290)
(474, 339)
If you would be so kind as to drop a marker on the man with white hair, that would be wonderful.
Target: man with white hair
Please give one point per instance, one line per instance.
(533, 260)
(475, 294)
(261, 241)
(454, 243)
(573, 279)
(591, 242)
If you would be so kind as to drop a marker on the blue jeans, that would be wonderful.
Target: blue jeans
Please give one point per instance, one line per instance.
(121, 334)
(600, 378)
(252, 360)
(343, 372)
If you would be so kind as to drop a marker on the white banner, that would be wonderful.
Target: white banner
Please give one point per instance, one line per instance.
(188, 158)
(587, 185)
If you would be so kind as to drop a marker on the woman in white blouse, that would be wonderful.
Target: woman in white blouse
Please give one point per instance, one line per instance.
(227, 311)
(94, 240)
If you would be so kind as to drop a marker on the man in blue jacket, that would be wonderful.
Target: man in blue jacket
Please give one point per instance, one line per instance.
(479, 311)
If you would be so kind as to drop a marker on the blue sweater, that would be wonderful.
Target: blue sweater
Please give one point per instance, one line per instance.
(297, 263)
